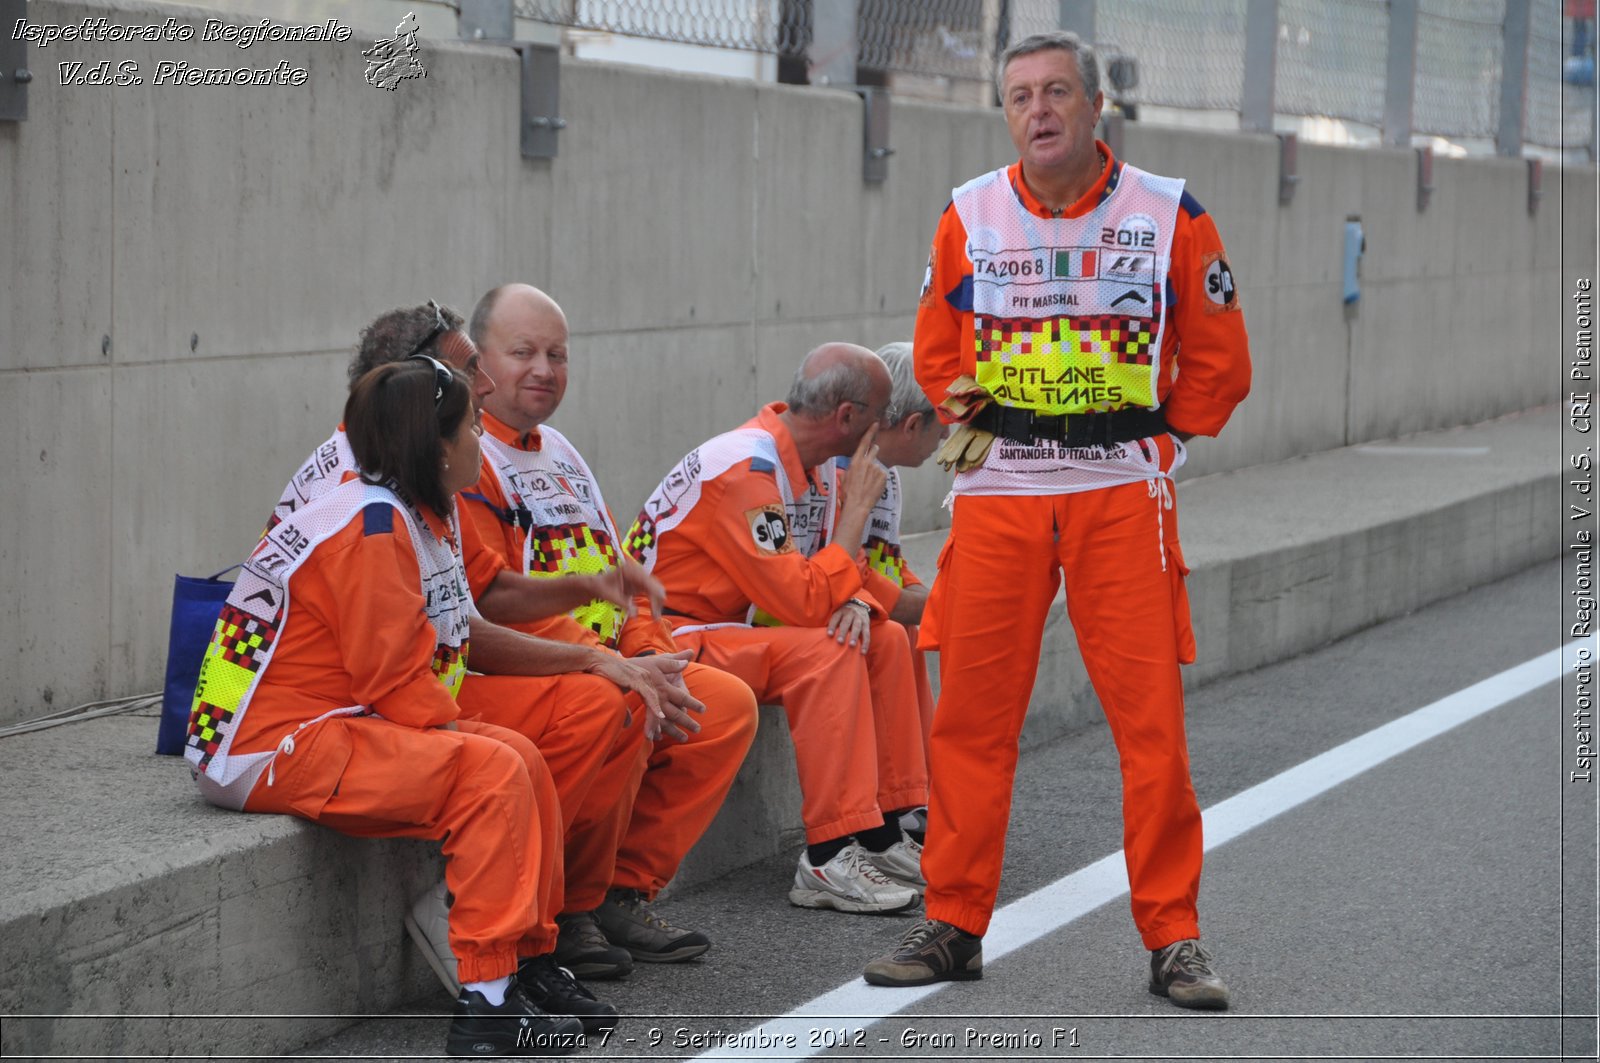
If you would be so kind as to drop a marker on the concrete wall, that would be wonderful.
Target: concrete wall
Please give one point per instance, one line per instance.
(701, 234)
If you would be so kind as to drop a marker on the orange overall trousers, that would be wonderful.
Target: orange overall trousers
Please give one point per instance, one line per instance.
(1118, 549)
(483, 790)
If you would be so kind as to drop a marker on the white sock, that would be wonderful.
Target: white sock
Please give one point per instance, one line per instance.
(494, 990)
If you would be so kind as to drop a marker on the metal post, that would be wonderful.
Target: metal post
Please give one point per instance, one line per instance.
(540, 119)
(1400, 85)
(1513, 77)
(14, 73)
(1077, 16)
(1260, 66)
(875, 125)
(834, 45)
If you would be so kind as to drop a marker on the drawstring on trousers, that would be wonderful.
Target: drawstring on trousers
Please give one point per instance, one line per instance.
(285, 748)
(1160, 489)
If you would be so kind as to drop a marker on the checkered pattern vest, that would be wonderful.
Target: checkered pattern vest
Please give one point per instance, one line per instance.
(552, 493)
(1066, 312)
(247, 631)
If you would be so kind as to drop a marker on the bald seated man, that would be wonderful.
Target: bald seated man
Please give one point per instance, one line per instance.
(758, 547)
(539, 505)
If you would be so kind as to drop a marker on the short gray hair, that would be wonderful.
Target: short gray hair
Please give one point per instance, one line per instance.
(906, 396)
(820, 395)
(1057, 40)
(393, 334)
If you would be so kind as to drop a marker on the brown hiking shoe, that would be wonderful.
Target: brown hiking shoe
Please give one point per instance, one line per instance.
(1182, 973)
(628, 921)
(931, 951)
(583, 949)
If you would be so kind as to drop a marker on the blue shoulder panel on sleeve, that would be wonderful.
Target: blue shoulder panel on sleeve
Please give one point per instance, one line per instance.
(377, 519)
(1190, 205)
(960, 296)
(762, 465)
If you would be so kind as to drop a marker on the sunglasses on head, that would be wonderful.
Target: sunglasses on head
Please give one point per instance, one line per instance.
(441, 376)
(440, 327)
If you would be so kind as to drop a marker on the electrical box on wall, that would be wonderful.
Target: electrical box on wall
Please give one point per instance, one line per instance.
(1355, 244)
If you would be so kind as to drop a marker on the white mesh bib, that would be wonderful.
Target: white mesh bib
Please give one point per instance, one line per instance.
(1068, 317)
(247, 630)
(321, 473)
(569, 529)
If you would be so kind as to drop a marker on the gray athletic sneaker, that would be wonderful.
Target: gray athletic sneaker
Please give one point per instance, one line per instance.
(1182, 973)
(428, 923)
(902, 862)
(850, 882)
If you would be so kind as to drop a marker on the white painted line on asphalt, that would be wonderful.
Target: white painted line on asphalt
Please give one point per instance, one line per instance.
(1052, 907)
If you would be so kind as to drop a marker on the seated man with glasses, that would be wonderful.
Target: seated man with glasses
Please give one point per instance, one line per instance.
(758, 546)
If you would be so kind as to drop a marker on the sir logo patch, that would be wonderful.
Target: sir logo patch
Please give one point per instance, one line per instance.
(1221, 295)
(769, 529)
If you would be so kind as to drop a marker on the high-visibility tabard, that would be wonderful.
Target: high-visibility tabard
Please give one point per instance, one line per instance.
(881, 536)
(801, 527)
(247, 630)
(571, 531)
(1067, 311)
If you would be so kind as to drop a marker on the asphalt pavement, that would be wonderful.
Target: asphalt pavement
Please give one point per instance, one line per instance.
(1440, 904)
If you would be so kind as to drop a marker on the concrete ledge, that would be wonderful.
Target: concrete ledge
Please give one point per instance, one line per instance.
(123, 894)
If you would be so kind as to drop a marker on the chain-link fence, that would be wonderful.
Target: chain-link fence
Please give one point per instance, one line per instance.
(957, 39)
(1190, 52)
(1458, 67)
(1557, 112)
(1331, 58)
(750, 25)
(1331, 55)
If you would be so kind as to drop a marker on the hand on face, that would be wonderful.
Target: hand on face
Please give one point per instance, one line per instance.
(863, 482)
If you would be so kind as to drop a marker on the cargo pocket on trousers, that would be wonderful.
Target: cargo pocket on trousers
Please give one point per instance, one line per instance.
(304, 774)
(928, 630)
(1182, 625)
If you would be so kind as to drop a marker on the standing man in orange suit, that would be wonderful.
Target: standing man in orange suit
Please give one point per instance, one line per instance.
(1079, 319)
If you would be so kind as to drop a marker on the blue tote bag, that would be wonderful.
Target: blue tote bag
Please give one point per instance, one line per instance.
(196, 603)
